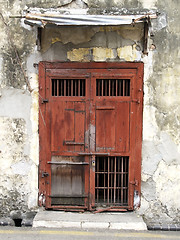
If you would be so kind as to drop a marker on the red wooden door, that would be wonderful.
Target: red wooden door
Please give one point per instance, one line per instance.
(90, 134)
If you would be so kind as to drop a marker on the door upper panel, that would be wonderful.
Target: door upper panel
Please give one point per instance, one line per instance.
(68, 126)
(112, 126)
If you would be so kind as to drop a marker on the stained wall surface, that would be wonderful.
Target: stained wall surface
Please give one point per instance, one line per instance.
(19, 149)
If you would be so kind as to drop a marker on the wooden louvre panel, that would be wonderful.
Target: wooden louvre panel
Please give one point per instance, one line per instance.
(67, 180)
(113, 87)
(68, 87)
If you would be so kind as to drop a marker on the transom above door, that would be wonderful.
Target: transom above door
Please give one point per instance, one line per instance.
(90, 126)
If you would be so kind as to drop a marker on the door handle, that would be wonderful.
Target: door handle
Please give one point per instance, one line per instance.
(44, 174)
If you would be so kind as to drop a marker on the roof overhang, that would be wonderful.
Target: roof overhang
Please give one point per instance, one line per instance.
(42, 20)
(57, 19)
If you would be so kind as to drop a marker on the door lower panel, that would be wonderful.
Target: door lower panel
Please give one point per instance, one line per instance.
(67, 180)
(111, 185)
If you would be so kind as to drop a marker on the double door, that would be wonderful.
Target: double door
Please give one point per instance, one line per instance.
(90, 126)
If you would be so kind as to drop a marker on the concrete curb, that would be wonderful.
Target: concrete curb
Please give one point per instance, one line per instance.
(86, 225)
(120, 221)
(163, 227)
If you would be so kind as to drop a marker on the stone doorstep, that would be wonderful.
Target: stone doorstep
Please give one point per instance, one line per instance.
(115, 221)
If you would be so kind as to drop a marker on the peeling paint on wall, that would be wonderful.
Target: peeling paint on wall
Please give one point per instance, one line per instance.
(80, 55)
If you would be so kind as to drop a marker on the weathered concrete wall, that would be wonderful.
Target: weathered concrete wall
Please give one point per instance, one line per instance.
(19, 108)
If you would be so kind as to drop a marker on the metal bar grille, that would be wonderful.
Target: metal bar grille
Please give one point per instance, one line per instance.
(113, 87)
(68, 87)
(111, 184)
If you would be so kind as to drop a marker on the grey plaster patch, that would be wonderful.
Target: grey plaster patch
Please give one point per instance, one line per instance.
(13, 200)
(77, 4)
(1, 62)
(21, 168)
(149, 190)
(32, 59)
(75, 35)
(47, 3)
(150, 157)
(168, 149)
(16, 103)
(57, 52)
(156, 213)
(63, 2)
(159, 23)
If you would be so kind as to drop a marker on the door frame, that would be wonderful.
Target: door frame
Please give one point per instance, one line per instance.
(44, 68)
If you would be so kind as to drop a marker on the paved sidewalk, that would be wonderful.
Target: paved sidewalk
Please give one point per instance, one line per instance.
(58, 219)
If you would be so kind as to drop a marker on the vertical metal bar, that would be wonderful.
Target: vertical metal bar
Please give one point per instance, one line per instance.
(119, 170)
(97, 87)
(111, 179)
(65, 93)
(54, 87)
(84, 88)
(103, 87)
(124, 82)
(116, 88)
(104, 179)
(122, 172)
(101, 91)
(79, 86)
(119, 88)
(97, 180)
(58, 86)
(67, 87)
(109, 87)
(115, 180)
(62, 88)
(75, 87)
(112, 91)
(72, 83)
(127, 87)
(108, 183)
(125, 179)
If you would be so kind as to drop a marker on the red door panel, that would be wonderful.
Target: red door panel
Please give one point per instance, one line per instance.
(90, 128)
(58, 125)
(122, 126)
(105, 126)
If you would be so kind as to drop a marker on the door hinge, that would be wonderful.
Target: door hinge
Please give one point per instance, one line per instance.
(136, 101)
(135, 182)
(44, 174)
(45, 101)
